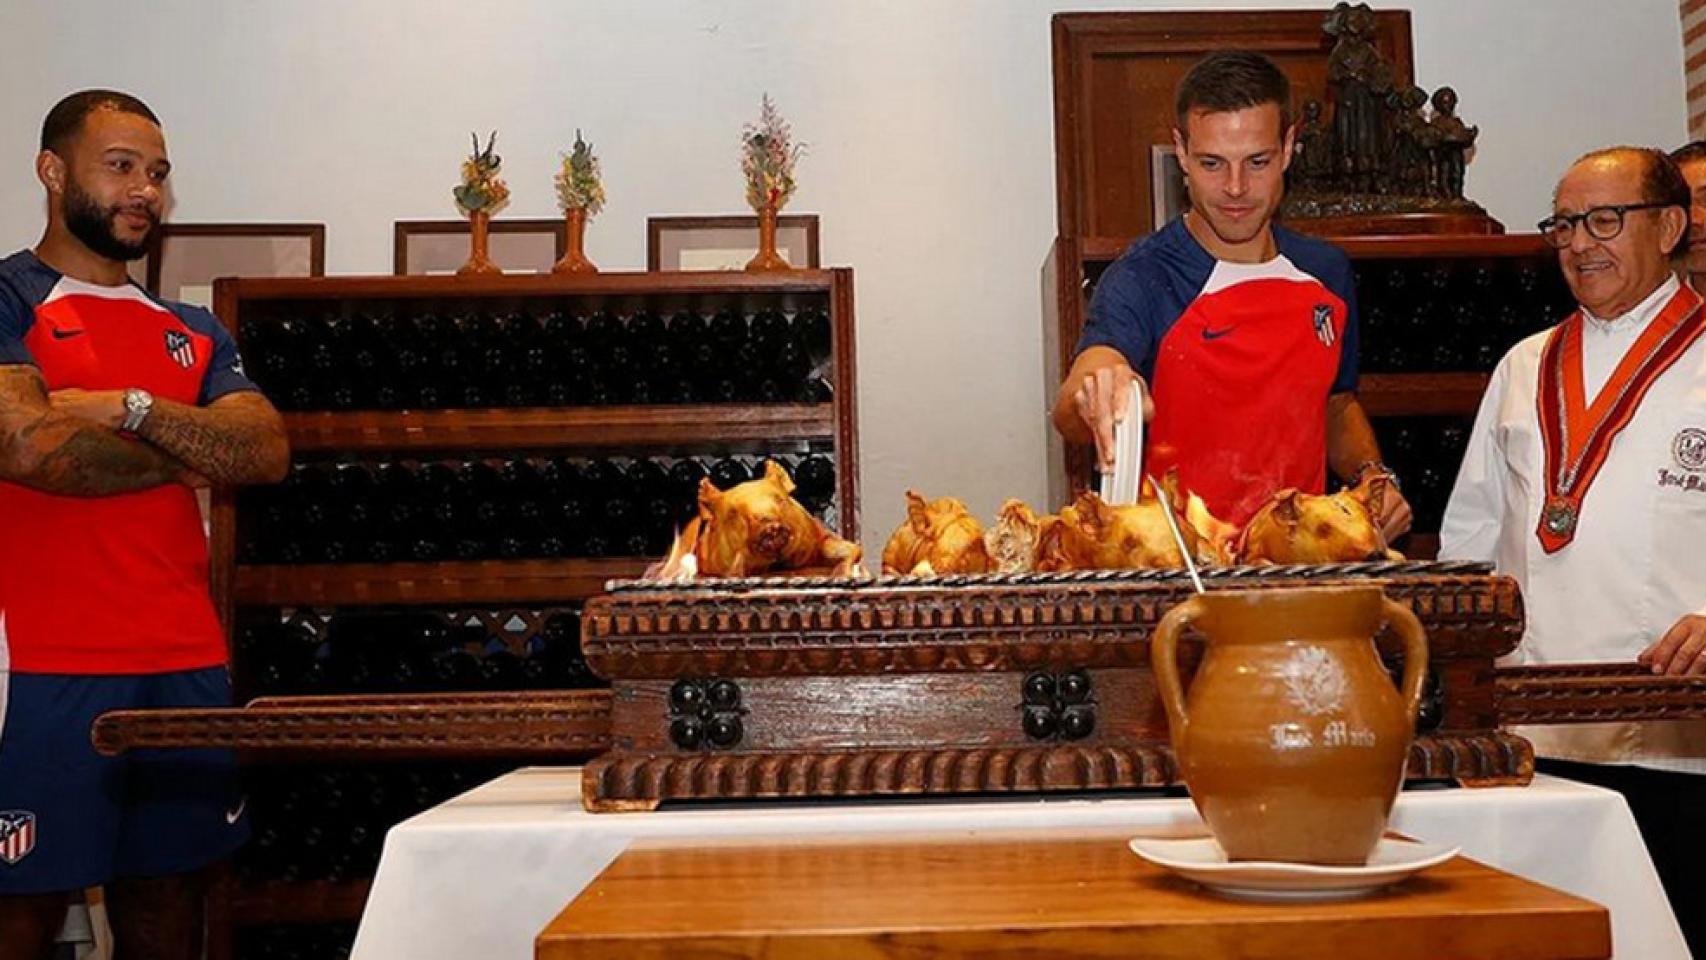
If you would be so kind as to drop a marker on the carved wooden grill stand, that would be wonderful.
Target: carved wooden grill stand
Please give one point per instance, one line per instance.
(748, 689)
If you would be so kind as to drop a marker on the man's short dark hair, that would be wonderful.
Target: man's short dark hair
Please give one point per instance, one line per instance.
(1689, 152)
(1661, 179)
(65, 120)
(1232, 80)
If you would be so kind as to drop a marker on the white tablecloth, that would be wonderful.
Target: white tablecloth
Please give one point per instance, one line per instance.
(481, 875)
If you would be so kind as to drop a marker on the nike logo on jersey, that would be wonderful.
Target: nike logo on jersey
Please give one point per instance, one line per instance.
(59, 334)
(1208, 334)
(232, 816)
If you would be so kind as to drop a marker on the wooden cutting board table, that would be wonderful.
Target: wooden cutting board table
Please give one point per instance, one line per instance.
(1054, 894)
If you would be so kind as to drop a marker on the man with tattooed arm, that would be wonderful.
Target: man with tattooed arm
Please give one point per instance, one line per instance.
(114, 405)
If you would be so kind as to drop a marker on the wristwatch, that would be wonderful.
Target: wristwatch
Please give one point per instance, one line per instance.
(1375, 466)
(138, 403)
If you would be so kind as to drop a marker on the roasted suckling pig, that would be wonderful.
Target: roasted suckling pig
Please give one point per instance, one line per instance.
(1294, 527)
(938, 537)
(757, 528)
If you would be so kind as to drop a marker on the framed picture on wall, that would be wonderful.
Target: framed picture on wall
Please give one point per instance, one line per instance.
(186, 258)
(1168, 197)
(432, 247)
(726, 243)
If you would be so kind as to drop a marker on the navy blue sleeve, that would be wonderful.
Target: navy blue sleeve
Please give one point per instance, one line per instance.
(1122, 316)
(225, 370)
(1350, 341)
(15, 321)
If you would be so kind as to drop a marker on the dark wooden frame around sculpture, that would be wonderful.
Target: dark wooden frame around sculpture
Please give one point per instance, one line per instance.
(404, 232)
(152, 265)
(656, 227)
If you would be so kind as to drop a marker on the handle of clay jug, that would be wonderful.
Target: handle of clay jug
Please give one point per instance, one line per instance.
(1164, 660)
(1415, 654)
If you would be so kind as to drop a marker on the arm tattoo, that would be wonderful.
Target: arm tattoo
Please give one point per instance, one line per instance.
(238, 439)
(55, 453)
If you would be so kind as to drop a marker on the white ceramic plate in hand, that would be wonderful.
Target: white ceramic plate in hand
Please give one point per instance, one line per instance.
(1201, 859)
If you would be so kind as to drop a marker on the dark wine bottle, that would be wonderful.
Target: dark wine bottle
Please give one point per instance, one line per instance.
(813, 326)
(478, 510)
(652, 489)
(360, 351)
(790, 364)
(611, 359)
(684, 477)
(500, 669)
(324, 369)
(354, 524)
(728, 473)
(727, 330)
(456, 670)
(560, 646)
(550, 488)
(814, 482)
(529, 375)
(769, 328)
(618, 513)
(568, 510)
(456, 360)
(435, 522)
(816, 390)
(271, 351)
(521, 514)
(309, 487)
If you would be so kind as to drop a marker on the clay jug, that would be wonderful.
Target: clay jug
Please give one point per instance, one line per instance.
(1293, 739)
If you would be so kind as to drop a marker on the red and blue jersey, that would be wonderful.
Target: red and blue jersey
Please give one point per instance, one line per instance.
(1239, 357)
(108, 585)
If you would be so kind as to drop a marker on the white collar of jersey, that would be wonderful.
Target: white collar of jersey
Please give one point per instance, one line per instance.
(1637, 318)
(69, 287)
(1228, 274)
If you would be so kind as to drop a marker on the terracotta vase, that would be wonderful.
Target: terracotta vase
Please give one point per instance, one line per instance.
(479, 260)
(1293, 739)
(767, 257)
(574, 259)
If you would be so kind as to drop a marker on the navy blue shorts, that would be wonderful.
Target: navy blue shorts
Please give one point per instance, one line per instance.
(70, 818)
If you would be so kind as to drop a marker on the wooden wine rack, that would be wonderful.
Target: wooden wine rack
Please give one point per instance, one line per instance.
(626, 430)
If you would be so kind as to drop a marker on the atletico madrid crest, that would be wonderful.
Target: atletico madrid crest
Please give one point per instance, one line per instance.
(1324, 324)
(179, 347)
(17, 835)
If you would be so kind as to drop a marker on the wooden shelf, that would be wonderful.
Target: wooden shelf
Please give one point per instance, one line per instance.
(1420, 246)
(312, 901)
(535, 285)
(559, 427)
(1421, 394)
(485, 581)
(1445, 246)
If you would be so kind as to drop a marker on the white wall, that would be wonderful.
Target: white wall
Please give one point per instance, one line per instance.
(929, 124)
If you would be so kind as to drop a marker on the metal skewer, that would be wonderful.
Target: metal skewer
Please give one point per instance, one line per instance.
(1178, 537)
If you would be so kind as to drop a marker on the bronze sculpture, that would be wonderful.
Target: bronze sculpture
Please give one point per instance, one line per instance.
(1381, 151)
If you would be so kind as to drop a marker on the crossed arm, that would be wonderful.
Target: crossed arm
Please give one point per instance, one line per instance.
(66, 442)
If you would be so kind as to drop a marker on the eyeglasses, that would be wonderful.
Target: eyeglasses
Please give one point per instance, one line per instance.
(1603, 223)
